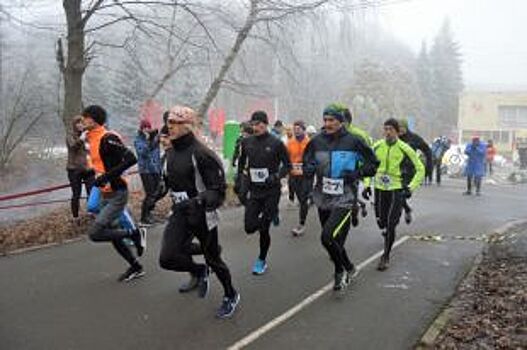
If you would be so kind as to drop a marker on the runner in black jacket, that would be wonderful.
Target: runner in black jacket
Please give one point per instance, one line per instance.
(338, 160)
(110, 158)
(264, 161)
(417, 143)
(196, 183)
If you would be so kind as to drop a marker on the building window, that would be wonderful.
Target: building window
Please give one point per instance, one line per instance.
(512, 116)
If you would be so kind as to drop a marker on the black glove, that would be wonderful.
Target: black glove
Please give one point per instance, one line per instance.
(407, 193)
(101, 180)
(366, 193)
(211, 200)
(272, 179)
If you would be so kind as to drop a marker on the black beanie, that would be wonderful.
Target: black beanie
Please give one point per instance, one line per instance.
(97, 113)
(259, 116)
(393, 123)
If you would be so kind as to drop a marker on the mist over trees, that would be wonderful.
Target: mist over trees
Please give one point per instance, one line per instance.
(289, 58)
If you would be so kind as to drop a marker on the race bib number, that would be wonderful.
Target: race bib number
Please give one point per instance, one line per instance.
(258, 175)
(385, 180)
(332, 186)
(178, 197)
(213, 219)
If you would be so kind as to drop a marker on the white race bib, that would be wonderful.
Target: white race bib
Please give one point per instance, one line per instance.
(258, 175)
(178, 197)
(385, 180)
(213, 219)
(332, 186)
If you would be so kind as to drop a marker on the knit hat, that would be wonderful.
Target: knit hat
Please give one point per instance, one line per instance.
(97, 113)
(259, 117)
(335, 110)
(145, 124)
(404, 123)
(182, 115)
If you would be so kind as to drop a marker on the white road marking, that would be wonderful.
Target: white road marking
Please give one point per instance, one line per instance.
(251, 337)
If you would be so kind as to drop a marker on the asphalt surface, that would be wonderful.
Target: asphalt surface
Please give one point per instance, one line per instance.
(67, 297)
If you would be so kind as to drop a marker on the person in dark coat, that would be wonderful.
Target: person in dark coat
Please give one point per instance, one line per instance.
(475, 167)
(146, 145)
(78, 166)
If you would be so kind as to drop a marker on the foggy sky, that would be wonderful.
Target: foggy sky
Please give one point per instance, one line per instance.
(491, 34)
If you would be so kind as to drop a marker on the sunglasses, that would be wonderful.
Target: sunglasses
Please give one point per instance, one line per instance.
(174, 122)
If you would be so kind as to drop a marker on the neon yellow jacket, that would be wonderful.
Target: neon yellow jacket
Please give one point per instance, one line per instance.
(354, 130)
(389, 172)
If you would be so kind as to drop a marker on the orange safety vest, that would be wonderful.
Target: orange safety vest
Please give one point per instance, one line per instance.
(94, 138)
(296, 150)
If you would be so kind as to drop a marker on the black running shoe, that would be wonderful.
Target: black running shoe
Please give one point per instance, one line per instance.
(383, 263)
(228, 306)
(408, 217)
(340, 281)
(203, 283)
(354, 219)
(351, 274)
(190, 285)
(133, 272)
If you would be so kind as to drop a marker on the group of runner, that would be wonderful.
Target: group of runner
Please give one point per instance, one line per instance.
(327, 167)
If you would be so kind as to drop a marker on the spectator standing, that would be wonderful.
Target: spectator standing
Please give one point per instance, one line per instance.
(146, 145)
(491, 153)
(78, 166)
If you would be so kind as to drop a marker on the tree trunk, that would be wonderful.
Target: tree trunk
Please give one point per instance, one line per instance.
(240, 38)
(75, 63)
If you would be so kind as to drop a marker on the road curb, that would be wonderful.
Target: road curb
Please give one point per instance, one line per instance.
(438, 325)
(41, 246)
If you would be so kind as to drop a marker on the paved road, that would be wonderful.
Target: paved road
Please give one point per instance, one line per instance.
(67, 297)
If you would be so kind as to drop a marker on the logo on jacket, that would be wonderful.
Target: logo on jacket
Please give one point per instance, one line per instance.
(268, 149)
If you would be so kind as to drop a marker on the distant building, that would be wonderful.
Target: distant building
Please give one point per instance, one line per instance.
(497, 116)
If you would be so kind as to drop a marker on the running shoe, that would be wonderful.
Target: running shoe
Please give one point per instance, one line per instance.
(276, 220)
(228, 306)
(190, 285)
(354, 219)
(139, 238)
(351, 274)
(259, 267)
(340, 281)
(408, 217)
(203, 283)
(383, 263)
(298, 230)
(133, 272)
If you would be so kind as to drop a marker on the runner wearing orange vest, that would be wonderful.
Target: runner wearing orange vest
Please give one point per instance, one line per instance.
(295, 147)
(110, 158)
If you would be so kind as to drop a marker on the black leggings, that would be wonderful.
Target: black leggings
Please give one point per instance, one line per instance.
(335, 227)
(150, 186)
(104, 228)
(477, 183)
(296, 186)
(259, 213)
(76, 178)
(176, 248)
(388, 208)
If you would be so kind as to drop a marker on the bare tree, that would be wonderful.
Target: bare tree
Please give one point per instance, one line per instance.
(18, 116)
(266, 12)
